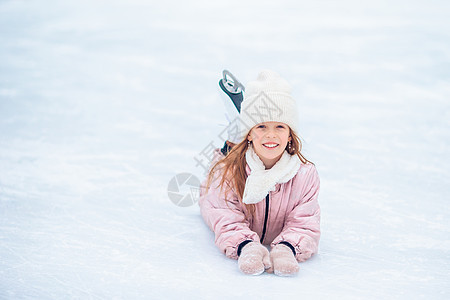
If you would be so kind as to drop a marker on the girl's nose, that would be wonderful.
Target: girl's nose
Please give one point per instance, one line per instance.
(270, 133)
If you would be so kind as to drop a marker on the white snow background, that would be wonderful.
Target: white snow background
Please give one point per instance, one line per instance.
(102, 103)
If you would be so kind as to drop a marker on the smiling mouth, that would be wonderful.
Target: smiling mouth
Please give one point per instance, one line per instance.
(270, 146)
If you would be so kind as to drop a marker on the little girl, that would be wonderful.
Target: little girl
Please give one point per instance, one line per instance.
(263, 191)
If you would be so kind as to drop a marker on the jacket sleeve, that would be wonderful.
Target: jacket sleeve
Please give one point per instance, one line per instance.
(224, 214)
(302, 225)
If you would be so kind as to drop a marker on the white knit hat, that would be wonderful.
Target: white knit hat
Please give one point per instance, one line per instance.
(267, 99)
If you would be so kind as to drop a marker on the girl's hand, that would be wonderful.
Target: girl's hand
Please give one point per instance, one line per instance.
(254, 259)
(283, 261)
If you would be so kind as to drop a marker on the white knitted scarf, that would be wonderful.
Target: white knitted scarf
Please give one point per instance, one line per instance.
(261, 181)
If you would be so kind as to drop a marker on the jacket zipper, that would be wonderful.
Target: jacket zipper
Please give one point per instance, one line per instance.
(266, 216)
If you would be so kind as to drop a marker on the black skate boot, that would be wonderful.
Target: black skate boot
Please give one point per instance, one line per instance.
(235, 91)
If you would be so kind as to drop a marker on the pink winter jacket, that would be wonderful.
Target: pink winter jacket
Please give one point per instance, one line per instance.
(293, 215)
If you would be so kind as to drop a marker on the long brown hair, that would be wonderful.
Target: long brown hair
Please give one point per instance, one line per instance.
(233, 172)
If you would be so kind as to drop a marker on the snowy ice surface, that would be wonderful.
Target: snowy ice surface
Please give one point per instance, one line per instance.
(103, 102)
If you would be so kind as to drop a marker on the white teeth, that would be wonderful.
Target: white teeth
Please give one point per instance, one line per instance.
(271, 145)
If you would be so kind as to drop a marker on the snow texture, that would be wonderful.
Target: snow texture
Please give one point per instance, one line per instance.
(102, 103)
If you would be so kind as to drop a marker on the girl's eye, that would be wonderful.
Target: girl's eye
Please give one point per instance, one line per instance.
(261, 126)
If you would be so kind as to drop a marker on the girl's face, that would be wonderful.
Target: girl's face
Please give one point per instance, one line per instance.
(269, 141)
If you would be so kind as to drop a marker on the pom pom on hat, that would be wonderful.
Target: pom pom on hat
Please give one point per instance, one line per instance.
(267, 99)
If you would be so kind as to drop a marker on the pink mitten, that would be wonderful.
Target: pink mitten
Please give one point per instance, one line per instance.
(283, 261)
(254, 259)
